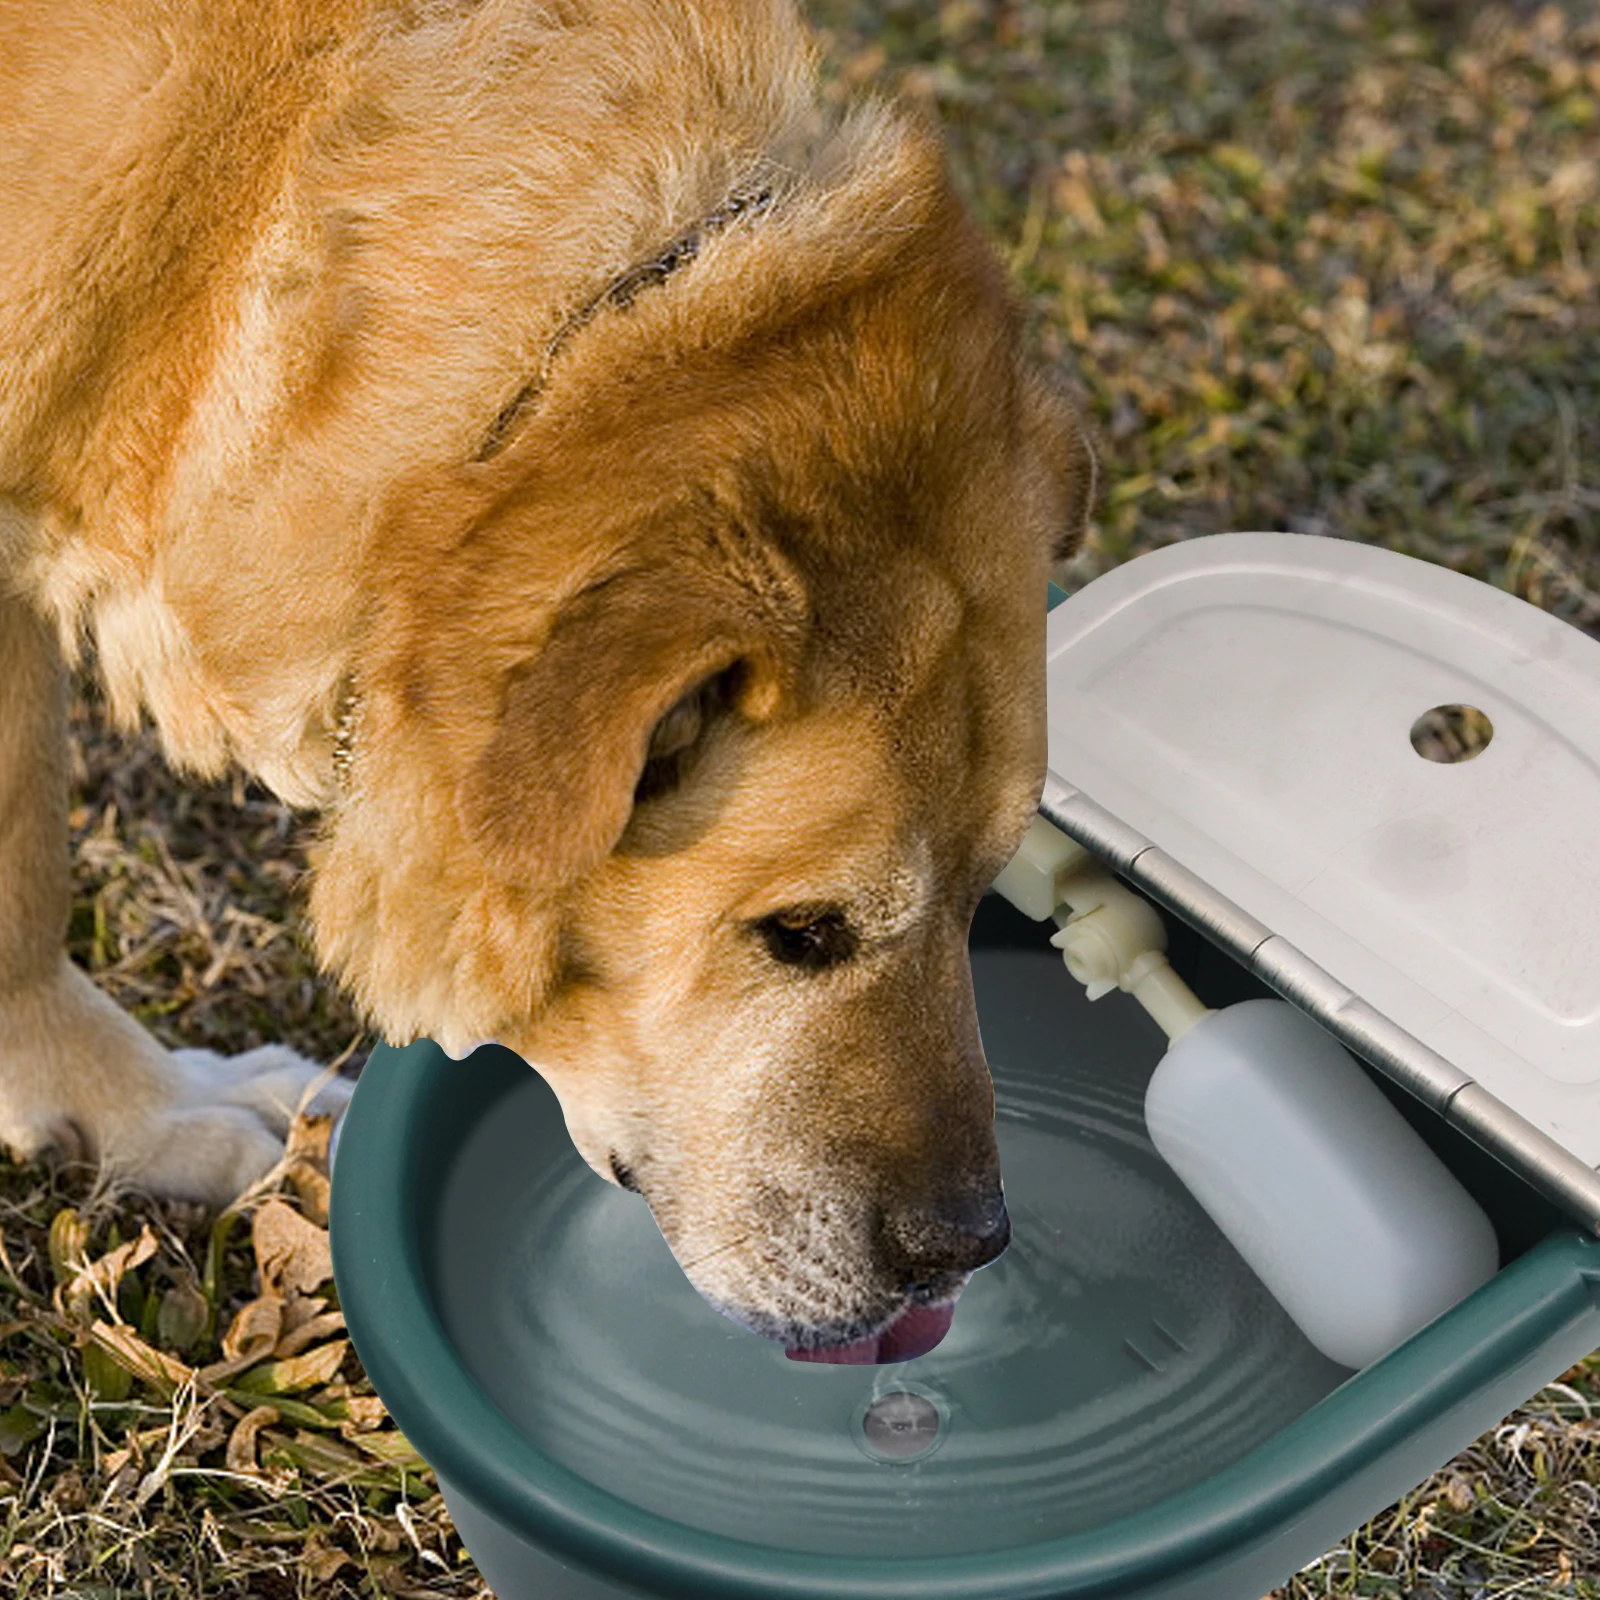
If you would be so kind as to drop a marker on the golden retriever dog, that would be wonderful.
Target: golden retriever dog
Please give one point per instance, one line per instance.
(608, 485)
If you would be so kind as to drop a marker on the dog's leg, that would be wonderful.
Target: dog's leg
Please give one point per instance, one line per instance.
(75, 1072)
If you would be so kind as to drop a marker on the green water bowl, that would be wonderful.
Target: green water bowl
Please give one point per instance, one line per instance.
(1119, 1409)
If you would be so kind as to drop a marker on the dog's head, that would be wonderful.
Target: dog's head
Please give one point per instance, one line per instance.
(694, 725)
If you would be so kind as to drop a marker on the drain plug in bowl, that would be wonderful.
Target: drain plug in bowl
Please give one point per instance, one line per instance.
(902, 1425)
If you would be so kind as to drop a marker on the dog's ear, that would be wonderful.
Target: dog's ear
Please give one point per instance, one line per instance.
(614, 688)
(1061, 437)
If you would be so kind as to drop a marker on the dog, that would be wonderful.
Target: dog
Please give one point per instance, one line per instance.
(610, 485)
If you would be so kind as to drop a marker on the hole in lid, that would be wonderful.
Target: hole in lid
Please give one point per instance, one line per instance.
(1451, 733)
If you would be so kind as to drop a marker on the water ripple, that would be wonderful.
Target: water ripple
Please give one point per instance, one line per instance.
(1117, 1352)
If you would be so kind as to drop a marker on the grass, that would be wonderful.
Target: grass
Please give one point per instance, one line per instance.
(1324, 268)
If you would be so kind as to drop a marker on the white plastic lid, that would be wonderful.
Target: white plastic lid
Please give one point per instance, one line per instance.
(1245, 702)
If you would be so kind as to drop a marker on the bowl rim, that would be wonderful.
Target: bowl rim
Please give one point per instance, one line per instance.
(1550, 1295)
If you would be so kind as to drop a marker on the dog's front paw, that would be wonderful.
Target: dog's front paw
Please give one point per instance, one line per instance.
(59, 1139)
(268, 1081)
(79, 1075)
(208, 1153)
(226, 1128)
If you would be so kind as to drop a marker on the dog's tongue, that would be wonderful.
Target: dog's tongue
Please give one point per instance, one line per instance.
(913, 1333)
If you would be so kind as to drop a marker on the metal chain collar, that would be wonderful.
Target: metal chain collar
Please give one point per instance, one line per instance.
(751, 200)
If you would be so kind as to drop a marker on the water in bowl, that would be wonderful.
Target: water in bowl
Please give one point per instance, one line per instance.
(1118, 1351)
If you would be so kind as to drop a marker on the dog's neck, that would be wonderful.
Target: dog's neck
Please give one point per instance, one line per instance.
(748, 201)
(229, 580)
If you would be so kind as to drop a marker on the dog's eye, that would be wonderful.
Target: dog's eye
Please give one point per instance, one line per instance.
(809, 939)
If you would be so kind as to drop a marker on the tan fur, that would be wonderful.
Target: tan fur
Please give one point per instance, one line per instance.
(269, 272)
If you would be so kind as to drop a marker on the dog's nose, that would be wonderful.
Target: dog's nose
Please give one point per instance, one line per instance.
(957, 1234)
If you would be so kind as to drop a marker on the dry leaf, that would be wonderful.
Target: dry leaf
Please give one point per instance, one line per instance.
(131, 1451)
(219, 1373)
(251, 1337)
(255, 1329)
(241, 1455)
(364, 1412)
(299, 1372)
(308, 1139)
(155, 1367)
(75, 1294)
(313, 1188)
(292, 1253)
(308, 1333)
(322, 1560)
(306, 1158)
(299, 1309)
